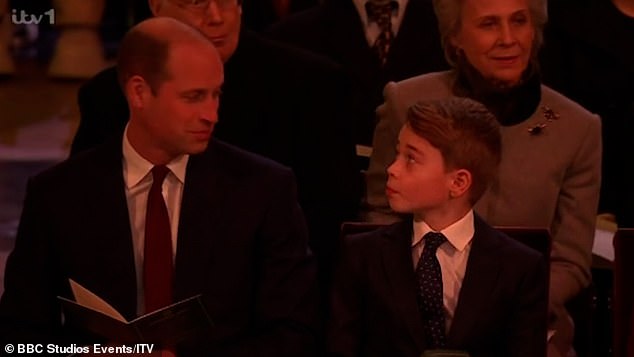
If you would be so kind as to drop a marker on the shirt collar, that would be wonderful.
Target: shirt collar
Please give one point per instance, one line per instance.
(459, 233)
(360, 5)
(136, 167)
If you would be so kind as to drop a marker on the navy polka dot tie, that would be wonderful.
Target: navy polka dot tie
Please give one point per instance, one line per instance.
(430, 297)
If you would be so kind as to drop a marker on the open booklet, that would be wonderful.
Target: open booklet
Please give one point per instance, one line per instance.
(166, 326)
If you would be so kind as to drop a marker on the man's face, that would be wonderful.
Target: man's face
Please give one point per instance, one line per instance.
(417, 180)
(180, 117)
(218, 20)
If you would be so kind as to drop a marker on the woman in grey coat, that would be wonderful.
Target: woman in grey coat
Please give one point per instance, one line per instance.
(551, 154)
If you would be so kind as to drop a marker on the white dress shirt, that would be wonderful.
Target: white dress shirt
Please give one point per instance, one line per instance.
(138, 180)
(371, 29)
(452, 256)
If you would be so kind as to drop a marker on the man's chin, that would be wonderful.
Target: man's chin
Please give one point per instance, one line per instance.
(198, 148)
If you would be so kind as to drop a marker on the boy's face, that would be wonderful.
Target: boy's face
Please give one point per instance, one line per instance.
(417, 179)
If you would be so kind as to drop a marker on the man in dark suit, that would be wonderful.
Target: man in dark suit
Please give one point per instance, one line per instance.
(279, 102)
(220, 221)
(442, 279)
(344, 31)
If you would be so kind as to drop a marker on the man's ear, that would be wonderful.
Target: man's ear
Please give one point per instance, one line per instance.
(137, 91)
(155, 6)
(460, 183)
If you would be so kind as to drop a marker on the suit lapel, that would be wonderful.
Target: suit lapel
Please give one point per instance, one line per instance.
(479, 282)
(400, 276)
(416, 48)
(111, 239)
(347, 38)
(204, 196)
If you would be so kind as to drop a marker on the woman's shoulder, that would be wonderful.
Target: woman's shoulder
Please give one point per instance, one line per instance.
(564, 105)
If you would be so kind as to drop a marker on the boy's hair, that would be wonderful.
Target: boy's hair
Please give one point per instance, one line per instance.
(467, 135)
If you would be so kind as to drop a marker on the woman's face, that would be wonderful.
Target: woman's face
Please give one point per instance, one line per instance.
(496, 37)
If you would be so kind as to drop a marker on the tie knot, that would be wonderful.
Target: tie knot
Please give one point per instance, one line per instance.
(158, 174)
(380, 11)
(433, 240)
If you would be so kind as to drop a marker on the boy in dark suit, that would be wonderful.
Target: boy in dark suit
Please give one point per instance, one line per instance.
(442, 279)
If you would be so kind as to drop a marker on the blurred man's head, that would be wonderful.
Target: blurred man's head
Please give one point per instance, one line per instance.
(218, 20)
(171, 76)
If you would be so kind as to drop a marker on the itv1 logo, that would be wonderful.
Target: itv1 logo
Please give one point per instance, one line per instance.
(23, 18)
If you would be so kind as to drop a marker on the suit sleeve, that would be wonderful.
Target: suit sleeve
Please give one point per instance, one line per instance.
(573, 228)
(527, 328)
(391, 119)
(345, 334)
(285, 305)
(28, 309)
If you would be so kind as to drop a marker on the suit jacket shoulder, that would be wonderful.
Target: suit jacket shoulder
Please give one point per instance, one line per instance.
(238, 162)
(563, 103)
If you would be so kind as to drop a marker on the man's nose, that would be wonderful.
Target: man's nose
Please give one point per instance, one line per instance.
(210, 111)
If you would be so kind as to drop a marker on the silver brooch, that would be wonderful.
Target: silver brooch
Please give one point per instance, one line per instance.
(549, 116)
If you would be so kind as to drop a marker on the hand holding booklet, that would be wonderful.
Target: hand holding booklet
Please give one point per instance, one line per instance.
(167, 326)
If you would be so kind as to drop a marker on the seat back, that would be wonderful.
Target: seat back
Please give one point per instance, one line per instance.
(536, 238)
(623, 311)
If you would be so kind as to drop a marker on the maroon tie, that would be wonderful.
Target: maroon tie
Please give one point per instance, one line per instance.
(157, 262)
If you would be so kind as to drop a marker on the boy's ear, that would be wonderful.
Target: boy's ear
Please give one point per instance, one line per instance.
(460, 183)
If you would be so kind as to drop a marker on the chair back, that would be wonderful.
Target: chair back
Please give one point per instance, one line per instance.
(623, 311)
(536, 238)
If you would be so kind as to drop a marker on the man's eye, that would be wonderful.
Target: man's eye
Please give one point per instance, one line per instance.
(487, 24)
(193, 97)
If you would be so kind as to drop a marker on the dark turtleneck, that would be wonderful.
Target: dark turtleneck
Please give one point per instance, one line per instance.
(510, 105)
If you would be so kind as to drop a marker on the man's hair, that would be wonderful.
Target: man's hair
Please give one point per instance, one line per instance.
(467, 135)
(145, 55)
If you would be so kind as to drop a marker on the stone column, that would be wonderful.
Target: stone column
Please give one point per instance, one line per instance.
(79, 52)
